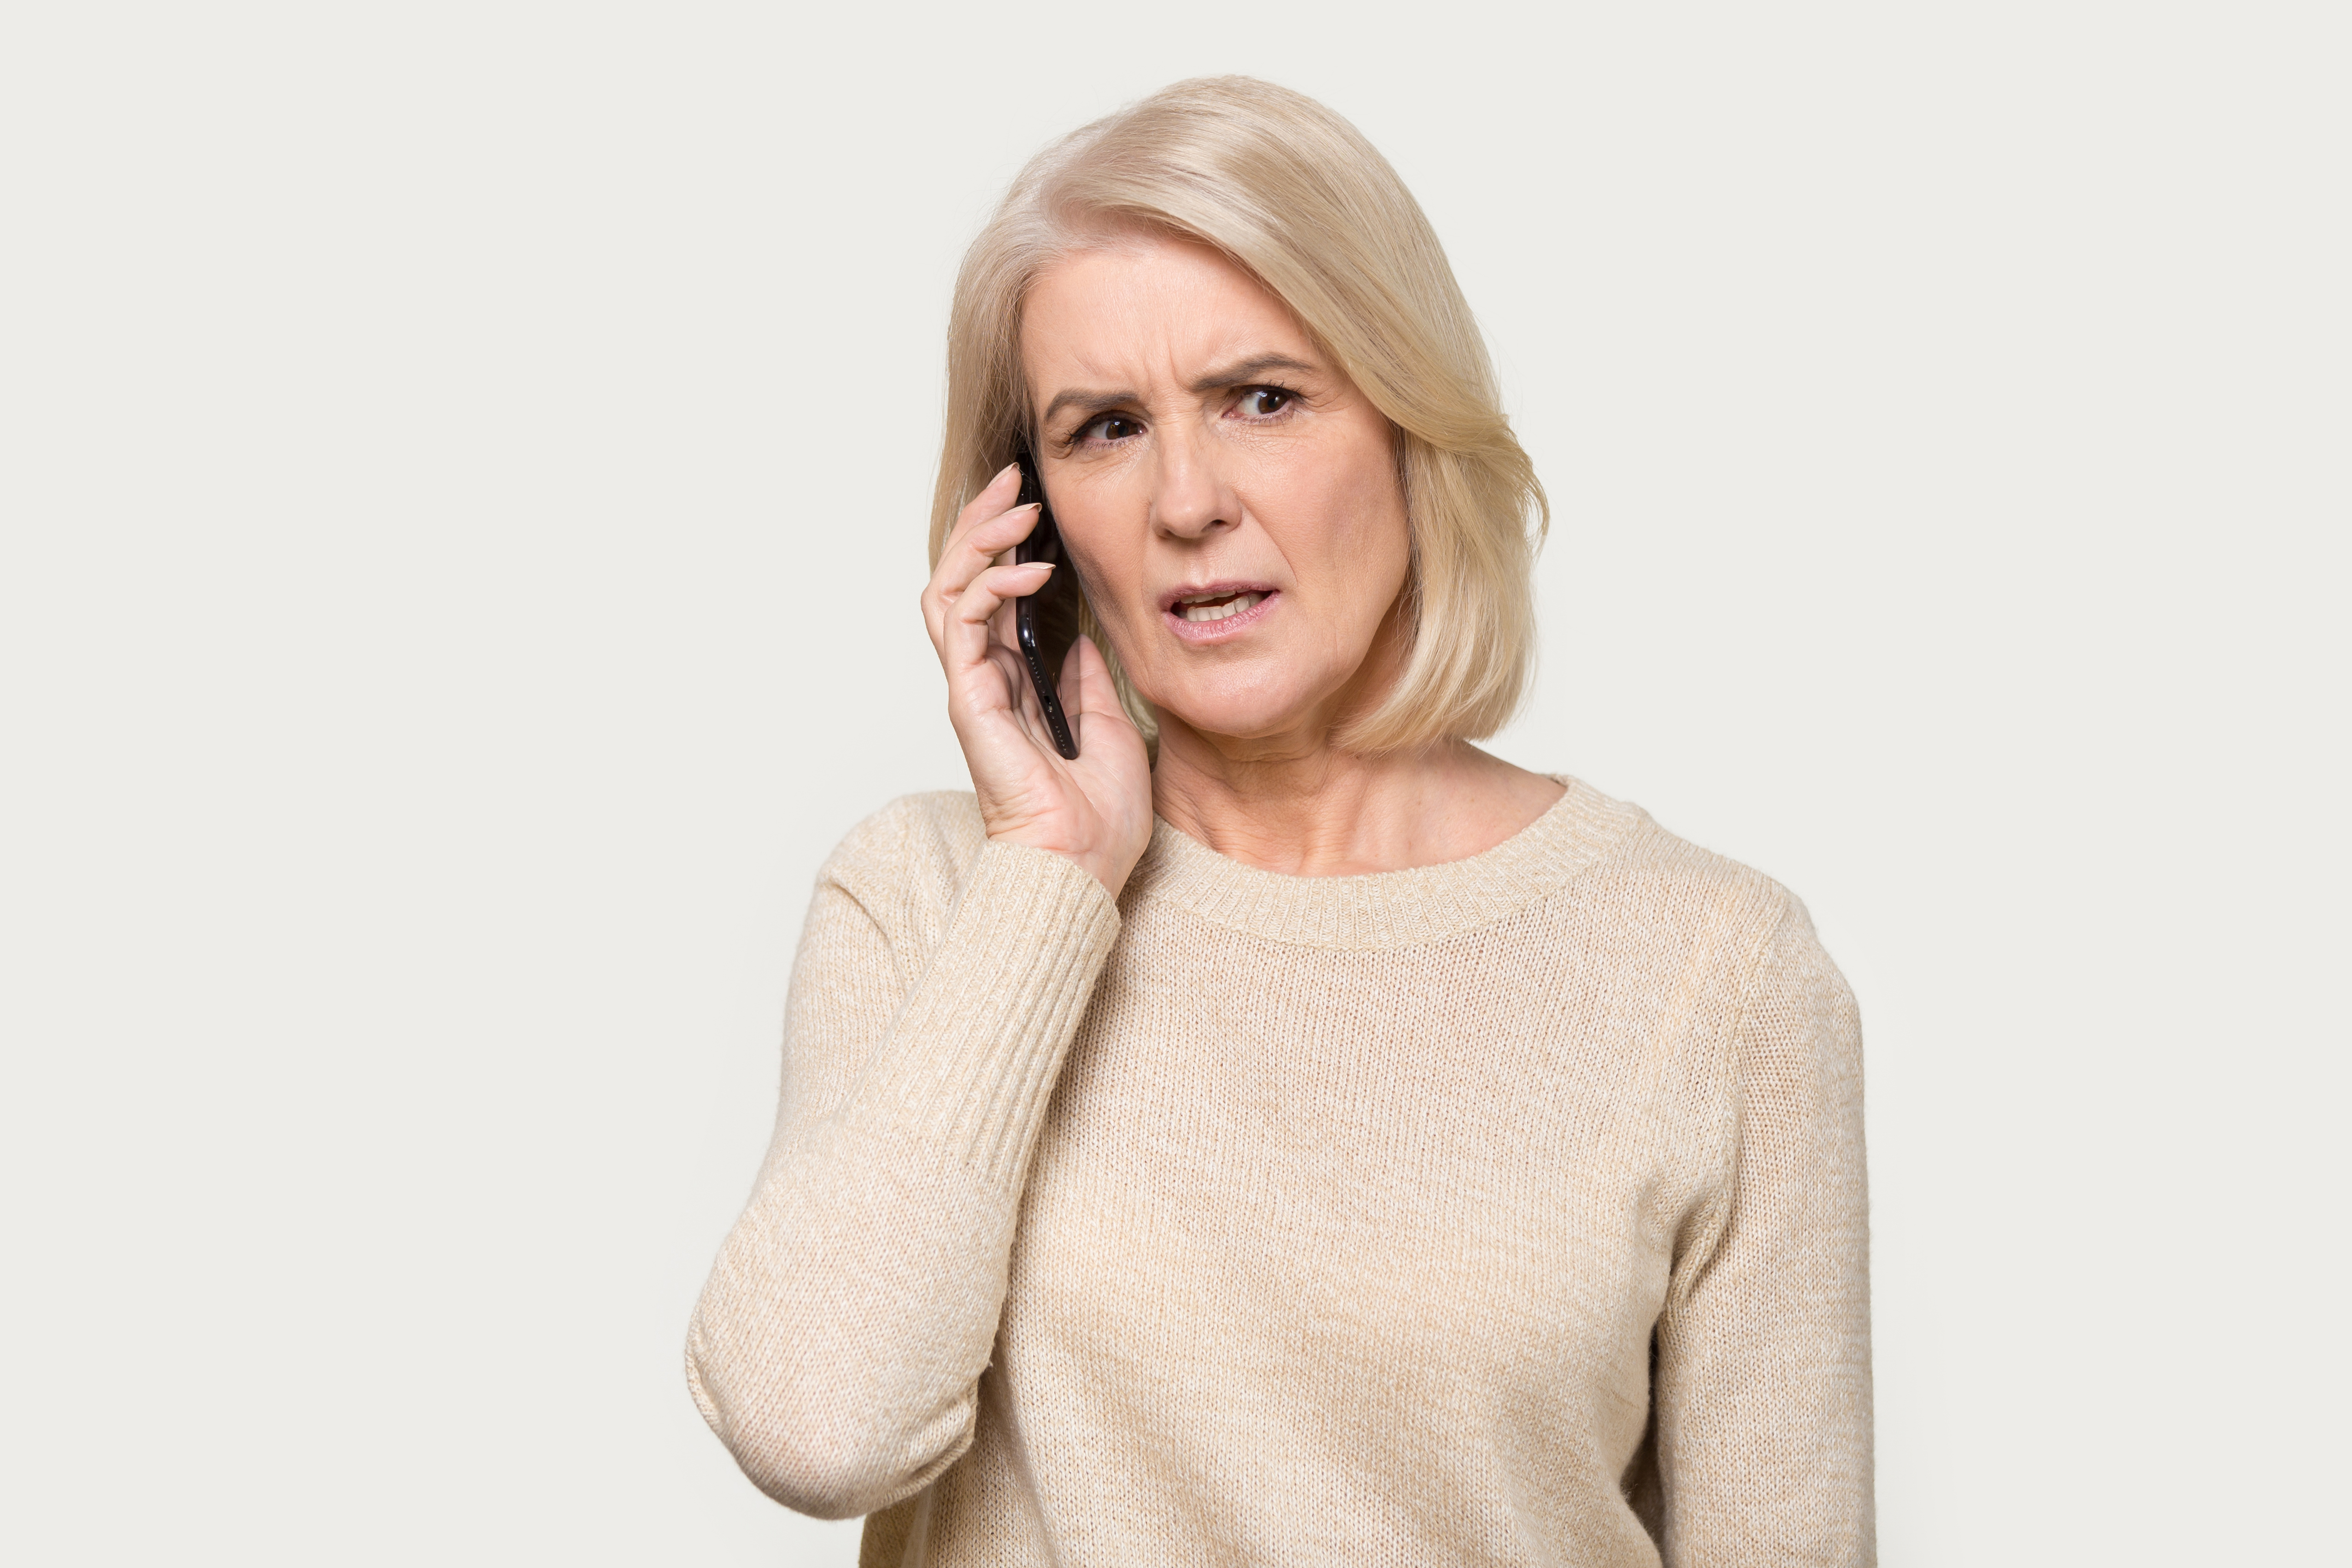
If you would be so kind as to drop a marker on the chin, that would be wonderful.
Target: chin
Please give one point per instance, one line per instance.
(1256, 716)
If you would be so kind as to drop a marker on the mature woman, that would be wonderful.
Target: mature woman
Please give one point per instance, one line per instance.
(1284, 1133)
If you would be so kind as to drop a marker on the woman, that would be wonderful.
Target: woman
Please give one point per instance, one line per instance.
(1283, 1132)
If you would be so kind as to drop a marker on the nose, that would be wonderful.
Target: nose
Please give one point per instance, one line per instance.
(1190, 498)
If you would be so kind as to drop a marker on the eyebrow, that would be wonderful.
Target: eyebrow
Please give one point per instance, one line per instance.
(1240, 373)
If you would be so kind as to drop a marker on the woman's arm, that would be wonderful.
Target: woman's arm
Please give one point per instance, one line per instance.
(838, 1345)
(1763, 1394)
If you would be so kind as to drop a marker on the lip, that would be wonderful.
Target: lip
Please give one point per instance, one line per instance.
(1216, 631)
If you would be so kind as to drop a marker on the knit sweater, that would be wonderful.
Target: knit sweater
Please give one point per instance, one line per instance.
(1508, 1211)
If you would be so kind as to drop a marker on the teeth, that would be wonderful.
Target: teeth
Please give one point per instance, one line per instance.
(1234, 606)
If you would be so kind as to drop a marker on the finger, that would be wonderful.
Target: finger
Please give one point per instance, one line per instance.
(963, 631)
(1092, 694)
(997, 587)
(995, 496)
(974, 547)
(1024, 691)
(969, 554)
(1020, 703)
(1020, 696)
(966, 560)
(1066, 683)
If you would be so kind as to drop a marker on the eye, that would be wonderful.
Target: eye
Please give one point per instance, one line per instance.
(1264, 403)
(1110, 427)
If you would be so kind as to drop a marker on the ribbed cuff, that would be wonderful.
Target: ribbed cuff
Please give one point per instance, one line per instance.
(972, 1059)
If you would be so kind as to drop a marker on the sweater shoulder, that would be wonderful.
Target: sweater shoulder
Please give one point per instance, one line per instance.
(910, 857)
(1659, 853)
(938, 826)
(1770, 932)
(1667, 871)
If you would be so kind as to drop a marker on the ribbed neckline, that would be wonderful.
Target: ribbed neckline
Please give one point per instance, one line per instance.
(1389, 908)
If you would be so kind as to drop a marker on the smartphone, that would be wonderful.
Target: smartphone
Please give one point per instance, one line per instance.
(1046, 621)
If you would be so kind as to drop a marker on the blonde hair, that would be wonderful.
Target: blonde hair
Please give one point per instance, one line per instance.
(1297, 197)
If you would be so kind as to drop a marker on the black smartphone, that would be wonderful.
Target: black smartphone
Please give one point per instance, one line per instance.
(1046, 622)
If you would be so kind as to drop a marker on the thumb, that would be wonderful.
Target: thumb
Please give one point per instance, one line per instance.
(1087, 687)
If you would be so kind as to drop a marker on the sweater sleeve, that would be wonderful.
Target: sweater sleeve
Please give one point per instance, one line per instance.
(1763, 1394)
(837, 1347)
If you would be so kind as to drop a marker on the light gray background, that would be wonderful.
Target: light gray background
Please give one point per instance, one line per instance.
(464, 470)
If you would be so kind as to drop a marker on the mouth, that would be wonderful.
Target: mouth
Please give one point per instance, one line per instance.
(1215, 608)
(1218, 606)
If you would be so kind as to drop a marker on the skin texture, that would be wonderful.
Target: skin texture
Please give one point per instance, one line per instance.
(1192, 436)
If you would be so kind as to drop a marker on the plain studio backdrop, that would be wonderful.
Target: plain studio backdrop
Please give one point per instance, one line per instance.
(464, 469)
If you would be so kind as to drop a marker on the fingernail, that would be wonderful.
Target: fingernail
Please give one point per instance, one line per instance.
(1008, 468)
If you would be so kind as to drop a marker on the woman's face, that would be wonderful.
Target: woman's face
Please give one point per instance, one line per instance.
(1229, 497)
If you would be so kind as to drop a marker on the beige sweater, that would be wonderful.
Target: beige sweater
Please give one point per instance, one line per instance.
(1507, 1211)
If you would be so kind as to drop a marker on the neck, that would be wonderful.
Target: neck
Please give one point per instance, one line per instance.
(1307, 808)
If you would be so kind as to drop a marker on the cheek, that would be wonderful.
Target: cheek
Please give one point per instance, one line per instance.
(1109, 564)
(1372, 547)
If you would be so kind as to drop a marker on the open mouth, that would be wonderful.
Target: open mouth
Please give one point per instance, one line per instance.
(1218, 606)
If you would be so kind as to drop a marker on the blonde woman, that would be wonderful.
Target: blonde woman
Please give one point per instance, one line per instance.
(1283, 1133)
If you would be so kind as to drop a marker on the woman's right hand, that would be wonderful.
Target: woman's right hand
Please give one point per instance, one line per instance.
(1095, 809)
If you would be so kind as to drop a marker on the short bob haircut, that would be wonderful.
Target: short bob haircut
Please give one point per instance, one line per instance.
(1297, 198)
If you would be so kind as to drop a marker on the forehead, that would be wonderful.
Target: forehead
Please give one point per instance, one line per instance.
(1147, 307)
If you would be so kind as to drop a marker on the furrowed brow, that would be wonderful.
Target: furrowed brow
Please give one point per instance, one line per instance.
(1086, 402)
(1253, 368)
(1240, 373)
